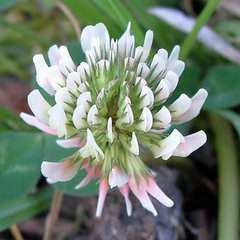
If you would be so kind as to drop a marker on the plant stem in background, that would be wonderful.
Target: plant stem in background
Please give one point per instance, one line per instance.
(53, 215)
(16, 232)
(228, 179)
(202, 19)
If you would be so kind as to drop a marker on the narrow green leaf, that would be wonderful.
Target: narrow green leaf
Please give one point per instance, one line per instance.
(20, 209)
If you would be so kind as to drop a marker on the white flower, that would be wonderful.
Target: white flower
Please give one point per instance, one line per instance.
(108, 107)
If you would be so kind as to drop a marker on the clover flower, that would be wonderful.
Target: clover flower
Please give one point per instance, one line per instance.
(108, 107)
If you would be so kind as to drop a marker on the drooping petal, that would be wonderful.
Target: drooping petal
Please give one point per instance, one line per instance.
(91, 174)
(103, 189)
(180, 106)
(191, 143)
(197, 102)
(146, 120)
(117, 178)
(33, 121)
(59, 171)
(125, 192)
(69, 143)
(38, 105)
(153, 189)
(134, 146)
(140, 192)
(168, 145)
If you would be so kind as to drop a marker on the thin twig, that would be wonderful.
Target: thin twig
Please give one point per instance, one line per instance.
(53, 215)
(72, 19)
(16, 232)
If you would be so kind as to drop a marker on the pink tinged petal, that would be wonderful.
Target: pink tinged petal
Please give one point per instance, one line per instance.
(41, 73)
(171, 80)
(134, 146)
(168, 145)
(143, 70)
(95, 37)
(141, 193)
(162, 92)
(90, 176)
(117, 178)
(147, 97)
(59, 171)
(146, 120)
(191, 143)
(180, 106)
(153, 189)
(103, 189)
(197, 102)
(70, 143)
(110, 135)
(38, 105)
(92, 117)
(79, 117)
(125, 192)
(33, 121)
(54, 55)
(84, 99)
(162, 118)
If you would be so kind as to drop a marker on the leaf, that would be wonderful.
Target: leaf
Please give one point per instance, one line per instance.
(233, 117)
(54, 153)
(223, 87)
(20, 209)
(20, 160)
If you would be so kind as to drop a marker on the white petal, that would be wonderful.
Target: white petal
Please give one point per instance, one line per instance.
(92, 117)
(100, 97)
(84, 99)
(197, 102)
(191, 143)
(143, 70)
(163, 118)
(57, 119)
(162, 92)
(109, 130)
(178, 67)
(103, 66)
(54, 55)
(103, 188)
(147, 45)
(128, 115)
(91, 148)
(158, 65)
(146, 120)
(140, 82)
(84, 70)
(95, 37)
(69, 143)
(38, 105)
(59, 171)
(180, 105)
(173, 56)
(147, 97)
(125, 192)
(117, 178)
(66, 63)
(63, 98)
(163, 55)
(171, 79)
(73, 81)
(168, 145)
(79, 117)
(55, 78)
(134, 147)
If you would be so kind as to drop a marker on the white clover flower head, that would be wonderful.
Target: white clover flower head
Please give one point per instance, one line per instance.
(110, 105)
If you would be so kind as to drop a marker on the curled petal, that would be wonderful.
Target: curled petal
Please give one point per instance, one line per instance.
(197, 102)
(140, 192)
(103, 189)
(59, 171)
(38, 105)
(125, 192)
(33, 121)
(70, 143)
(191, 143)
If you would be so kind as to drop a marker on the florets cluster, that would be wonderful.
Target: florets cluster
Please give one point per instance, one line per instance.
(111, 105)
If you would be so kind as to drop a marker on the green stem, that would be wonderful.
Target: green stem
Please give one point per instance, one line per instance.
(200, 22)
(228, 214)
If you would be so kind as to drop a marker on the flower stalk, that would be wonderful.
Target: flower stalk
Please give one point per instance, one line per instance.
(15, 231)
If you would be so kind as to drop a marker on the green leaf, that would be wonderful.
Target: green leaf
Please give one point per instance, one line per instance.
(54, 153)
(223, 87)
(20, 160)
(20, 209)
(233, 117)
